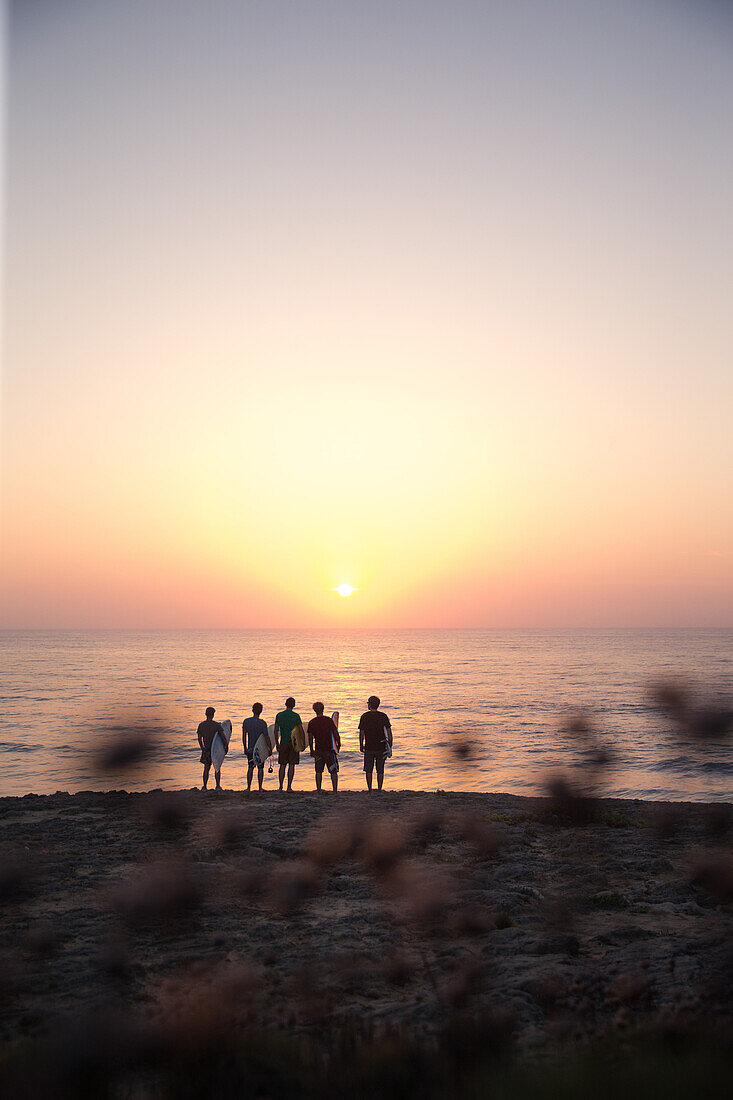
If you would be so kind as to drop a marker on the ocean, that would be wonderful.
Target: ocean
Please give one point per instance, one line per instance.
(471, 710)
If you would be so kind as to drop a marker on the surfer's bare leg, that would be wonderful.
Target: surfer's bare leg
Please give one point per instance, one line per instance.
(335, 780)
(250, 773)
(260, 775)
(369, 779)
(207, 769)
(217, 777)
(282, 774)
(380, 779)
(319, 778)
(291, 773)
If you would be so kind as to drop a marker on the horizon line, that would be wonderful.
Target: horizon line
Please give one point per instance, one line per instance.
(349, 629)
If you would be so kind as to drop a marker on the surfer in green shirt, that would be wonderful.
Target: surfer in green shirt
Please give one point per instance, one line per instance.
(289, 738)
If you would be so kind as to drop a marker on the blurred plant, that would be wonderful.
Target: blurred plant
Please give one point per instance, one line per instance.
(573, 800)
(162, 893)
(18, 875)
(475, 831)
(123, 748)
(696, 718)
(383, 844)
(125, 743)
(291, 884)
(714, 874)
(168, 812)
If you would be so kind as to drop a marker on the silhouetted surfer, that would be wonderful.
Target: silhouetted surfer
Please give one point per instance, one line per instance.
(375, 740)
(206, 733)
(288, 755)
(252, 730)
(324, 743)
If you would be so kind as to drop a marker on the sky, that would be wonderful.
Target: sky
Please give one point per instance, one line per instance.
(430, 298)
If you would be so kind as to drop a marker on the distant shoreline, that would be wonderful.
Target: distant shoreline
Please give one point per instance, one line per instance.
(330, 801)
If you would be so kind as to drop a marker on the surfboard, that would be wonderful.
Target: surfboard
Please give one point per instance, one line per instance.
(333, 765)
(264, 746)
(220, 744)
(388, 747)
(298, 739)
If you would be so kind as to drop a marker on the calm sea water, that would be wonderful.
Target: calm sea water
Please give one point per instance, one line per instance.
(505, 692)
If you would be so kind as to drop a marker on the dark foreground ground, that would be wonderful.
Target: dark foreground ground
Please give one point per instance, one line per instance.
(176, 944)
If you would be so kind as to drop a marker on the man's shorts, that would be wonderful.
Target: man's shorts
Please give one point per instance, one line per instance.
(372, 759)
(287, 754)
(206, 755)
(326, 760)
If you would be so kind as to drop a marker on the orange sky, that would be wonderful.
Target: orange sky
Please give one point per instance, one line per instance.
(442, 312)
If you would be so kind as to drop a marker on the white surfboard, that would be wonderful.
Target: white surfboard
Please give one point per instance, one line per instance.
(264, 746)
(387, 745)
(220, 744)
(334, 767)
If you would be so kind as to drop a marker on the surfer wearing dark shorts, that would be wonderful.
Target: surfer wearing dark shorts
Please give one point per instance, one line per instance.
(206, 733)
(375, 740)
(286, 723)
(324, 744)
(252, 730)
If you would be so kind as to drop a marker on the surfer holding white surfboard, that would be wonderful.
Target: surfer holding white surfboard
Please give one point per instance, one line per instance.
(289, 741)
(324, 743)
(206, 733)
(375, 740)
(252, 730)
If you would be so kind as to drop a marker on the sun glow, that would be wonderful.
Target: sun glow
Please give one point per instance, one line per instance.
(553, 466)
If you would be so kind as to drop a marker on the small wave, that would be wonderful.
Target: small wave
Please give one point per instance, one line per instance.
(624, 708)
(18, 746)
(681, 764)
(716, 767)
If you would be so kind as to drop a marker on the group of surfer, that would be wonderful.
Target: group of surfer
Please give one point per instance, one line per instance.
(323, 739)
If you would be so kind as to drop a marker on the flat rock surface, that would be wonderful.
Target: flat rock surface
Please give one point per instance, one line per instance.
(396, 908)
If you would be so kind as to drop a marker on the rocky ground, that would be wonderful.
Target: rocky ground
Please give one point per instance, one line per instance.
(390, 913)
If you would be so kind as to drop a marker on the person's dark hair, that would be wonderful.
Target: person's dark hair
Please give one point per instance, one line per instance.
(373, 702)
(257, 709)
(318, 708)
(289, 702)
(210, 712)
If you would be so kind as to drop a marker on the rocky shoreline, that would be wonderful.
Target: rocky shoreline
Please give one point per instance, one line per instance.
(562, 921)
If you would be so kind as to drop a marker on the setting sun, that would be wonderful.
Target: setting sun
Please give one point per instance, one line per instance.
(345, 590)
